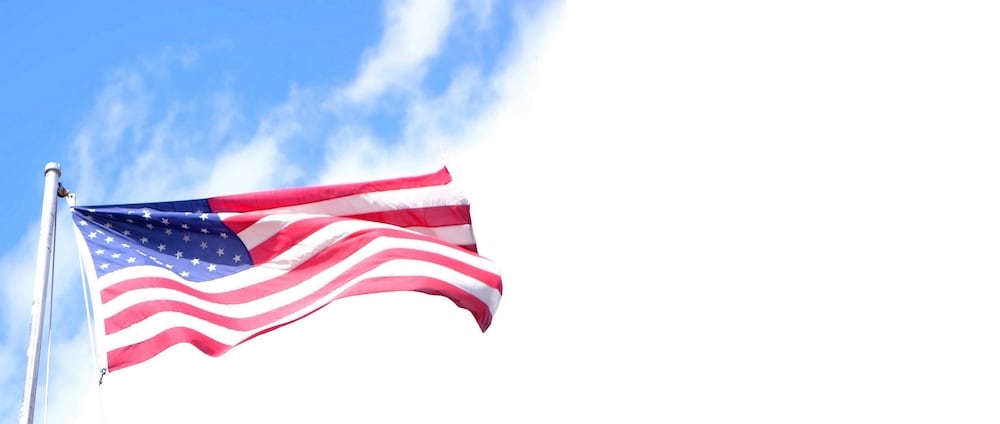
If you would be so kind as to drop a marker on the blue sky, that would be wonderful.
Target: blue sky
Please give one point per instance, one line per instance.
(703, 212)
(99, 87)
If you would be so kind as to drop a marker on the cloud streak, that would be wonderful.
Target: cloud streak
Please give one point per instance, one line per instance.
(413, 34)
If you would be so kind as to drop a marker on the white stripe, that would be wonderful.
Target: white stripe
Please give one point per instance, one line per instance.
(381, 201)
(268, 226)
(258, 274)
(455, 234)
(164, 320)
(264, 229)
(292, 257)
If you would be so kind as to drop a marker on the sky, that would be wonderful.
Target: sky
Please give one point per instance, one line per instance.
(703, 212)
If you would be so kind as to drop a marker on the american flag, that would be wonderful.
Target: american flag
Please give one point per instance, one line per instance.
(217, 272)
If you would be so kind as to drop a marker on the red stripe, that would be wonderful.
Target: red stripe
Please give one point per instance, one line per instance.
(146, 349)
(237, 223)
(432, 286)
(140, 352)
(433, 216)
(301, 195)
(289, 236)
(331, 255)
(143, 310)
(299, 230)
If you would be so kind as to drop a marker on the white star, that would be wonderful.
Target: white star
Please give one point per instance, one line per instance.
(129, 220)
(146, 214)
(211, 267)
(221, 251)
(185, 274)
(236, 258)
(224, 235)
(104, 266)
(195, 261)
(204, 245)
(187, 238)
(150, 226)
(179, 254)
(168, 231)
(184, 226)
(126, 245)
(83, 223)
(99, 251)
(127, 233)
(165, 221)
(144, 240)
(92, 235)
(130, 260)
(162, 247)
(204, 230)
(109, 239)
(204, 216)
(116, 255)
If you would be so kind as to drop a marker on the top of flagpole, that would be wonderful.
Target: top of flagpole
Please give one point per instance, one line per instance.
(53, 166)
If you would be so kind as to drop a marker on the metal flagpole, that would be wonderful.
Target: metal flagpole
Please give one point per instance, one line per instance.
(43, 266)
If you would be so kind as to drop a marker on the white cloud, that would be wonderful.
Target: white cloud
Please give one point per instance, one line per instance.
(120, 110)
(430, 120)
(414, 31)
(225, 114)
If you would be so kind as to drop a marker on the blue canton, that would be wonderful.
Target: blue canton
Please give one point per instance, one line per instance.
(194, 244)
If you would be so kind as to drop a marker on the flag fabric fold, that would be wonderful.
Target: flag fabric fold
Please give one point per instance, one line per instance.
(217, 272)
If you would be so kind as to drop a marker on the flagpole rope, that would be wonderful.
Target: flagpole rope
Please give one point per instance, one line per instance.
(88, 310)
(71, 199)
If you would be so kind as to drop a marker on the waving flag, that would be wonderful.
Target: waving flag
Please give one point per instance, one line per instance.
(217, 272)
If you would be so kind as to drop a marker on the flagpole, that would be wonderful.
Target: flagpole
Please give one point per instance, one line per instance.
(43, 266)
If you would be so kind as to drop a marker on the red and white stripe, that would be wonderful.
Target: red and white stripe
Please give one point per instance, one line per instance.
(429, 204)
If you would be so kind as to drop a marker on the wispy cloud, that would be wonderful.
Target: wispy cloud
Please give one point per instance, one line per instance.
(116, 122)
(414, 31)
(161, 64)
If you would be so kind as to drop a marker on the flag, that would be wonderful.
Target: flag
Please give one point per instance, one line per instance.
(217, 272)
